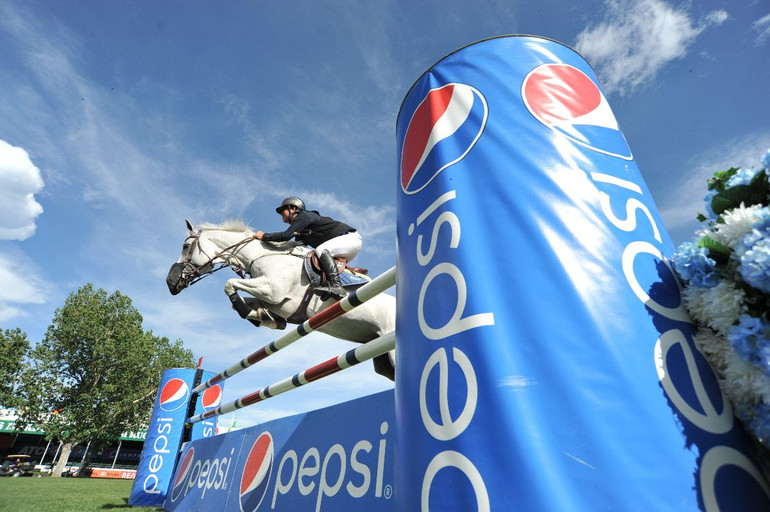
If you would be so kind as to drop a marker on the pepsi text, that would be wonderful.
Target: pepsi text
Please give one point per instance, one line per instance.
(447, 428)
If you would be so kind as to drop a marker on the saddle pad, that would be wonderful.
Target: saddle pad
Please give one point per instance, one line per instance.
(347, 277)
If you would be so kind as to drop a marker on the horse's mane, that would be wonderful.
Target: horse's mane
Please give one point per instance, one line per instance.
(233, 225)
(239, 226)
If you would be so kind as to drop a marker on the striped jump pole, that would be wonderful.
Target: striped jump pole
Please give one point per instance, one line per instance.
(376, 286)
(367, 351)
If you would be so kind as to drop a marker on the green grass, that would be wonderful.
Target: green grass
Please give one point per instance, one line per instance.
(32, 494)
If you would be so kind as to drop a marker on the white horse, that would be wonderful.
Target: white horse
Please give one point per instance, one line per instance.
(278, 284)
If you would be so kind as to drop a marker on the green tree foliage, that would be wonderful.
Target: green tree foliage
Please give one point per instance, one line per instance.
(14, 347)
(96, 369)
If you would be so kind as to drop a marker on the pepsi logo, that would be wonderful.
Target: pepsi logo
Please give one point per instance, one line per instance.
(443, 129)
(567, 101)
(256, 473)
(184, 468)
(174, 395)
(211, 397)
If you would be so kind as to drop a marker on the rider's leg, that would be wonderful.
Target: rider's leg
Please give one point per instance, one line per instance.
(346, 246)
(332, 285)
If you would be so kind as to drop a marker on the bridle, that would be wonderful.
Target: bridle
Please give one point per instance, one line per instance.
(188, 273)
(191, 269)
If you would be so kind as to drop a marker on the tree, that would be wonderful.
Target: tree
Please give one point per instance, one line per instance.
(14, 347)
(96, 370)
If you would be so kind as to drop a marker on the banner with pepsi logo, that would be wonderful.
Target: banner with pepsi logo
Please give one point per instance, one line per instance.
(209, 398)
(340, 458)
(544, 358)
(166, 431)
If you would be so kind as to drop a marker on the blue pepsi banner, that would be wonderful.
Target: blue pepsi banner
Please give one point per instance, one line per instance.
(209, 398)
(544, 358)
(340, 458)
(166, 431)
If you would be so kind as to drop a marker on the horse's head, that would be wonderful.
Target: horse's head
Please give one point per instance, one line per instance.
(196, 261)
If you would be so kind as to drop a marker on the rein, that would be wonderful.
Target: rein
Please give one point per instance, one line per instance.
(195, 270)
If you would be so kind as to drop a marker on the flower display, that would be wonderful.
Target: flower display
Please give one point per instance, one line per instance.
(725, 273)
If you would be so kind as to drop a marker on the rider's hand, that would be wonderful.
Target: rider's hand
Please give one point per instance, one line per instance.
(258, 235)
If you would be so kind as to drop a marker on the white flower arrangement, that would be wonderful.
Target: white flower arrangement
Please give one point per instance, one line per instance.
(725, 272)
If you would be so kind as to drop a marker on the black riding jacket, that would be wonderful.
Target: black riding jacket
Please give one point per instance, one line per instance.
(310, 228)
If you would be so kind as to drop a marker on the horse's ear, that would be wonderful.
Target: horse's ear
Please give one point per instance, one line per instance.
(189, 226)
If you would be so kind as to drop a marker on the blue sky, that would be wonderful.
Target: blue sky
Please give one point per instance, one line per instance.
(120, 119)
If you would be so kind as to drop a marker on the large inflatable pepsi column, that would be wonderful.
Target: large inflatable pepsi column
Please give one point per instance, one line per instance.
(545, 361)
(166, 432)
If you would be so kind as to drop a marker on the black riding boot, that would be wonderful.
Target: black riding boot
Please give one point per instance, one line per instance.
(332, 285)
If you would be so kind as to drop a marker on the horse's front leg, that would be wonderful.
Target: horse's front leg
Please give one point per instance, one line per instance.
(258, 287)
(252, 309)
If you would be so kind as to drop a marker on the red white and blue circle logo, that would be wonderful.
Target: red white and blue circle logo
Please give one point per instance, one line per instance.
(444, 128)
(567, 101)
(256, 473)
(183, 470)
(211, 397)
(174, 395)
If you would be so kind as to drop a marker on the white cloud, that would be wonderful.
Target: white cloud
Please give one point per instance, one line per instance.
(105, 155)
(367, 219)
(109, 160)
(717, 17)
(20, 180)
(637, 39)
(9, 312)
(679, 209)
(18, 285)
(762, 26)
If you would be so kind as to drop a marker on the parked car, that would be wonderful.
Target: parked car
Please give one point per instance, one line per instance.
(17, 465)
(43, 468)
(70, 471)
(75, 471)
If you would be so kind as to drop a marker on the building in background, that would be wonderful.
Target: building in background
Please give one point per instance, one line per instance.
(117, 460)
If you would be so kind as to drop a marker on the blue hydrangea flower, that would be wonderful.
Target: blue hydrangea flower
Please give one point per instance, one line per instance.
(751, 340)
(763, 219)
(742, 177)
(707, 198)
(763, 354)
(754, 252)
(694, 266)
(766, 160)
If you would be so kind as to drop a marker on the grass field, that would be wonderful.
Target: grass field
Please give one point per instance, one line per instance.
(31, 494)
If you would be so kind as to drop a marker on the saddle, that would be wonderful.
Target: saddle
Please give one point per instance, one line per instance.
(350, 277)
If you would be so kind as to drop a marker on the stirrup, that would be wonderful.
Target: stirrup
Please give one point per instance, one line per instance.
(325, 290)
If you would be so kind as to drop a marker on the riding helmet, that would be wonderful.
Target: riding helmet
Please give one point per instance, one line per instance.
(291, 201)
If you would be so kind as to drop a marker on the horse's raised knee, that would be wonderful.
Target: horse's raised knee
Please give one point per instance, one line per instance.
(230, 287)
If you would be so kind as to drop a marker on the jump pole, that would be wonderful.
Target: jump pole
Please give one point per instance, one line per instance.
(339, 308)
(351, 358)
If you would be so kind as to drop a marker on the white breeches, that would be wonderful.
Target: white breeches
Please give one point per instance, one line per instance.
(344, 246)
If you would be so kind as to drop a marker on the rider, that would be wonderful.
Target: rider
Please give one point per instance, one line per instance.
(329, 237)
